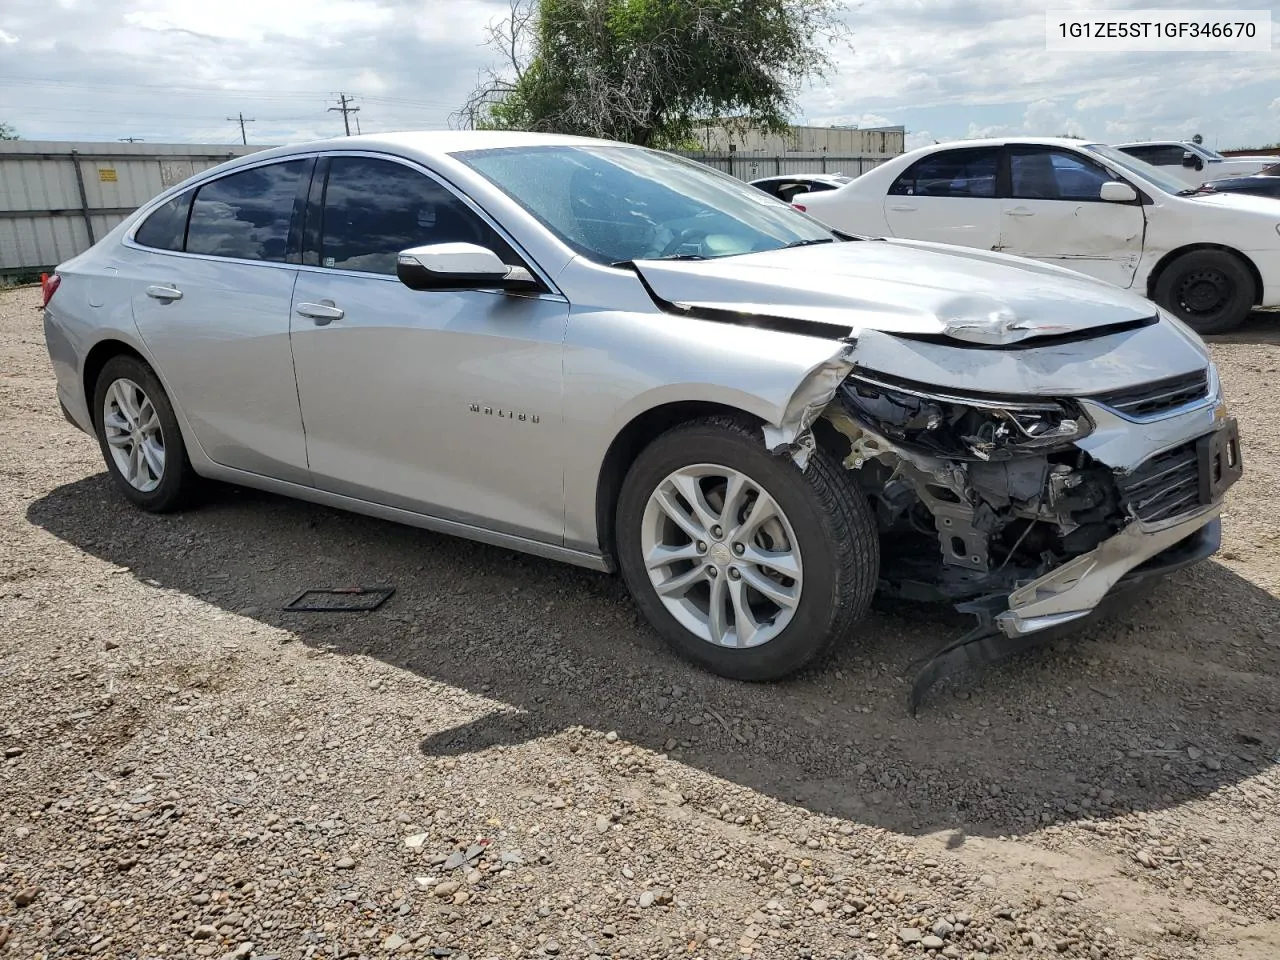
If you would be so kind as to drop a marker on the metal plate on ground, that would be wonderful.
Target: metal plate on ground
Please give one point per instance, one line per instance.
(340, 600)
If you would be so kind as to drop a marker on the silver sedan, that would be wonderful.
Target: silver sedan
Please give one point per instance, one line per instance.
(618, 358)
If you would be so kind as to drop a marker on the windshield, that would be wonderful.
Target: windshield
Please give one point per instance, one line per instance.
(1153, 175)
(615, 204)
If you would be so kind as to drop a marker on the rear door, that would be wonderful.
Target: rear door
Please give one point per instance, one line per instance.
(1054, 213)
(948, 197)
(211, 292)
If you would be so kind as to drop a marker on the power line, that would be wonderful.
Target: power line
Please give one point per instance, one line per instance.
(345, 110)
(243, 120)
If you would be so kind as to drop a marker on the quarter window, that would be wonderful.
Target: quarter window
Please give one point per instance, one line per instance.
(1038, 174)
(166, 228)
(246, 215)
(952, 173)
(373, 209)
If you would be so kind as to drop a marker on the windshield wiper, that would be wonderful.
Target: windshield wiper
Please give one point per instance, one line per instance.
(808, 243)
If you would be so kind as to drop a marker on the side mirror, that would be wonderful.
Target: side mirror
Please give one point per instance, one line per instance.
(1191, 161)
(460, 266)
(1113, 191)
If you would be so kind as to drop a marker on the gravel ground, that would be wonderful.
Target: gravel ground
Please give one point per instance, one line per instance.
(503, 762)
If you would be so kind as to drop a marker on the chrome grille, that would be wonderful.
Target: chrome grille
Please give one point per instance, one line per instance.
(1149, 399)
(1165, 486)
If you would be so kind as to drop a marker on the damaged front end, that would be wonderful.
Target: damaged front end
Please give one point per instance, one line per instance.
(1029, 512)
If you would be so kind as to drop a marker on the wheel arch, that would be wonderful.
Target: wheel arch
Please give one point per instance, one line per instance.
(96, 359)
(1162, 264)
(628, 443)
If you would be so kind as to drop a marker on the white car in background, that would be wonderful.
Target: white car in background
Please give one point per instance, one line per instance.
(1208, 258)
(1193, 163)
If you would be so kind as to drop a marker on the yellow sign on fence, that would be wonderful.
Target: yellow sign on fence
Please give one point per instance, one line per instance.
(107, 174)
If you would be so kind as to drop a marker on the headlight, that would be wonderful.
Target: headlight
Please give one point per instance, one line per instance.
(959, 427)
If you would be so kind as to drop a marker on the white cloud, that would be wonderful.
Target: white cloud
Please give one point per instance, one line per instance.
(174, 69)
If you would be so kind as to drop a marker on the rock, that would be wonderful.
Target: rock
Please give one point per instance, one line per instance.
(646, 899)
(1145, 859)
(394, 942)
(910, 935)
(204, 932)
(110, 645)
(26, 896)
(345, 863)
(447, 889)
(416, 841)
(551, 948)
(820, 907)
(1073, 895)
(474, 876)
(943, 929)
(611, 736)
(932, 943)
(11, 752)
(239, 953)
(22, 832)
(1211, 764)
(628, 873)
(602, 824)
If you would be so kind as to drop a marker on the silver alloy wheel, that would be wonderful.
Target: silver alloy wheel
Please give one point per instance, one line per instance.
(131, 425)
(721, 555)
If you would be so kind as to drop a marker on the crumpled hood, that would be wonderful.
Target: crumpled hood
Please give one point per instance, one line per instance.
(896, 286)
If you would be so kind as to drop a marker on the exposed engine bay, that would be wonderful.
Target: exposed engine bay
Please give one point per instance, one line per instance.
(977, 497)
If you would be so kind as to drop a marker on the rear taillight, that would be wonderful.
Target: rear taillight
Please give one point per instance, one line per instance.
(48, 286)
(800, 206)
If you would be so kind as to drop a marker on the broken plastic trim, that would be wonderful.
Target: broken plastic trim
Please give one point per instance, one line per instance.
(1036, 341)
(818, 388)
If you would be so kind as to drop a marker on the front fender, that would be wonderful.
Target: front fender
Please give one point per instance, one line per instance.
(621, 365)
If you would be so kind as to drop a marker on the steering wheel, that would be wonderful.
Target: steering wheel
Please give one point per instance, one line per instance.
(680, 239)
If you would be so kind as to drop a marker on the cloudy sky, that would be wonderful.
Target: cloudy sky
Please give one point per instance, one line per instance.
(174, 70)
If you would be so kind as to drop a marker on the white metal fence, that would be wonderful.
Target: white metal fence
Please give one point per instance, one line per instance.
(58, 199)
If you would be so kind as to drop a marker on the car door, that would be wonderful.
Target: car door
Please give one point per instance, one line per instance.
(211, 291)
(949, 197)
(445, 403)
(1054, 212)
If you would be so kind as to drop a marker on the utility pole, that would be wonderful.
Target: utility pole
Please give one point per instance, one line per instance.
(243, 120)
(129, 139)
(345, 110)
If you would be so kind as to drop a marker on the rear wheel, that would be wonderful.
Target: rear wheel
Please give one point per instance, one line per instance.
(745, 564)
(1212, 291)
(139, 436)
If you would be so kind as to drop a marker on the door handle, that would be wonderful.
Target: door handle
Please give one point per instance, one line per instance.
(322, 313)
(164, 292)
(902, 208)
(1019, 212)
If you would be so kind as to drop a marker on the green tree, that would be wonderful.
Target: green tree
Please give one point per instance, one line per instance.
(651, 71)
(7, 132)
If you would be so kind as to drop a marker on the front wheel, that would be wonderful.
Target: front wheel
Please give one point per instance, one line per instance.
(1212, 291)
(745, 564)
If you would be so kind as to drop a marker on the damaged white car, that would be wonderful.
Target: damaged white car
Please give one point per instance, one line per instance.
(621, 359)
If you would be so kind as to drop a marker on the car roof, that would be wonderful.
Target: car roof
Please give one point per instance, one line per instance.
(428, 142)
(1007, 141)
(1154, 143)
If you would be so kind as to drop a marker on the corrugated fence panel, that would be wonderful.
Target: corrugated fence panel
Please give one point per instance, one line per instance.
(753, 166)
(43, 211)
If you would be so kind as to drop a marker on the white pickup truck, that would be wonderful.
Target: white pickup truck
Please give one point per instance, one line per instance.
(1192, 162)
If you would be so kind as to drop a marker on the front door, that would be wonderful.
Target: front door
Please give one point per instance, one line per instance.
(1054, 212)
(211, 301)
(443, 403)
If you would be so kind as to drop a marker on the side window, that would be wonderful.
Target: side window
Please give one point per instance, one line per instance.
(1162, 155)
(246, 215)
(166, 228)
(951, 173)
(1038, 174)
(374, 208)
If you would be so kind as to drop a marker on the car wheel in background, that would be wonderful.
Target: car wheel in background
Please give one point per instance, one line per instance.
(1212, 291)
(139, 436)
(745, 564)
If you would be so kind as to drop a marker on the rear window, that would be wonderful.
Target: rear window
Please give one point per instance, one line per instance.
(246, 215)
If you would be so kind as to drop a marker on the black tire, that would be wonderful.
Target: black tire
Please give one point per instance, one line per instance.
(178, 481)
(834, 529)
(1212, 291)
